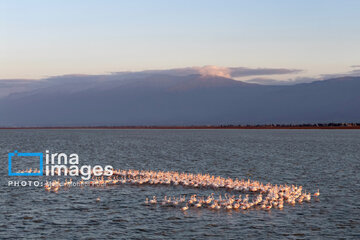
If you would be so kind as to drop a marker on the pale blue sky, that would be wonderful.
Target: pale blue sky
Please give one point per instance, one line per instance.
(46, 38)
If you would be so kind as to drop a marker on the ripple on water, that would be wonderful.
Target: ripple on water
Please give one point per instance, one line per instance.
(328, 160)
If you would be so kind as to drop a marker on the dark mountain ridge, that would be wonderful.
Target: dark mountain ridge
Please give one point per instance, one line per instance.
(159, 99)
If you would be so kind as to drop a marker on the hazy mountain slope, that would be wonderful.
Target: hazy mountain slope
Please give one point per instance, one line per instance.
(179, 100)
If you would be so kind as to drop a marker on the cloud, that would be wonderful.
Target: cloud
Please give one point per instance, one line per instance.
(214, 71)
(269, 81)
(229, 72)
(297, 80)
(264, 76)
(244, 72)
(352, 73)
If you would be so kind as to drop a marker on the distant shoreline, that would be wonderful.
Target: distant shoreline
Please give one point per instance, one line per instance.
(304, 126)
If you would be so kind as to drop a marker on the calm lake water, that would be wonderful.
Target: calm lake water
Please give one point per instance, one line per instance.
(328, 160)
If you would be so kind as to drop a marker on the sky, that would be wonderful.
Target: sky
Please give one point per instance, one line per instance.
(39, 39)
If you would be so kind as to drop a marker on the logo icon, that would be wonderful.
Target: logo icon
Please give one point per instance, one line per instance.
(16, 153)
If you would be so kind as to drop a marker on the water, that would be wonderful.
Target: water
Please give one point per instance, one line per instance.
(328, 160)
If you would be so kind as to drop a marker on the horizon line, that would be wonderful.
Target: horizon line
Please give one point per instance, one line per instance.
(349, 125)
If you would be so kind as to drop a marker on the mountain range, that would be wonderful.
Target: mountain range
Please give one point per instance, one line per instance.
(133, 99)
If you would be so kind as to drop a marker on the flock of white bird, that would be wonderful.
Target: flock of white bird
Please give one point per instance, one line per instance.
(29, 170)
(258, 195)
